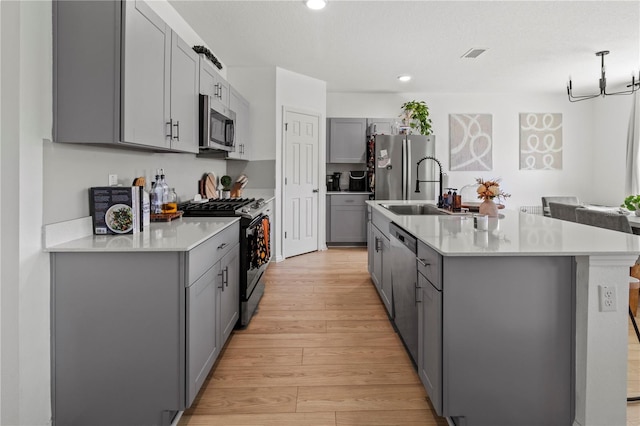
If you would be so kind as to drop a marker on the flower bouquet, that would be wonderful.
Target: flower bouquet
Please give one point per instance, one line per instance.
(488, 190)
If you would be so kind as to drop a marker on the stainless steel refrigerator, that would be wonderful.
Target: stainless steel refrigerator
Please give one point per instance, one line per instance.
(396, 170)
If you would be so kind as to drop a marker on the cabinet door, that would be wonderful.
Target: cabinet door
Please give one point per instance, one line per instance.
(212, 83)
(146, 59)
(208, 77)
(223, 91)
(348, 224)
(430, 341)
(380, 126)
(203, 341)
(370, 249)
(376, 257)
(347, 140)
(229, 292)
(385, 282)
(241, 107)
(185, 67)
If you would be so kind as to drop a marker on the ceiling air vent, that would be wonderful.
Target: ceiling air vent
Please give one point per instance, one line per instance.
(473, 53)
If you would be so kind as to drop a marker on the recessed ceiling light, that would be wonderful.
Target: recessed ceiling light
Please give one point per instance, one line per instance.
(316, 4)
(404, 78)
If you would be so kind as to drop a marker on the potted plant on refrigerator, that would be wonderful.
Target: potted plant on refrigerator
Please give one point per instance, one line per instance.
(632, 203)
(416, 116)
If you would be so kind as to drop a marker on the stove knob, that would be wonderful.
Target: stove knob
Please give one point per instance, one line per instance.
(245, 210)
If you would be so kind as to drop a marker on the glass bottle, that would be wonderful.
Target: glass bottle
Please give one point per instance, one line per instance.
(156, 196)
(165, 192)
(171, 206)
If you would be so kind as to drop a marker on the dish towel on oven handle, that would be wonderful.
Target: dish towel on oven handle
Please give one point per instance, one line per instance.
(259, 248)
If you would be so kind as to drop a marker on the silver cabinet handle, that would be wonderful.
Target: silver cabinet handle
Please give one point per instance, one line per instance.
(315, 190)
(377, 244)
(170, 124)
(423, 262)
(221, 246)
(225, 276)
(417, 293)
(177, 126)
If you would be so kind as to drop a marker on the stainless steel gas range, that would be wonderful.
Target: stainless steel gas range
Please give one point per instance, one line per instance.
(255, 251)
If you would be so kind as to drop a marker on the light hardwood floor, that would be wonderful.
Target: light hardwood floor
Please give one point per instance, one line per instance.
(322, 352)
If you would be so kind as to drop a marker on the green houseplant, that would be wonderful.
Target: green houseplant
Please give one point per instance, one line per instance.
(632, 203)
(226, 181)
(416, 114)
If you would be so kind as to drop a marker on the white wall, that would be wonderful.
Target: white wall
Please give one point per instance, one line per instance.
(257, 85)
(609, 148)
(25, 77)
(526, 187)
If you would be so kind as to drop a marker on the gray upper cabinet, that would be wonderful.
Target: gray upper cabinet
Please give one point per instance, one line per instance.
(146, 56)
(380, 126)
(121, 76)
(185, 70)
(347, 140)
(212, 83)
(241, 107)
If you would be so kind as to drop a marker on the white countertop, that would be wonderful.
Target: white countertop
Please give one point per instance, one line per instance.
(513, 234)
(178, 235)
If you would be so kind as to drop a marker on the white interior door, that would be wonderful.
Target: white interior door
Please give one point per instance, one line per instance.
(301, 183)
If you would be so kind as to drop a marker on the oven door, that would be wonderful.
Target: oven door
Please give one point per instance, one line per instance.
(258, 254)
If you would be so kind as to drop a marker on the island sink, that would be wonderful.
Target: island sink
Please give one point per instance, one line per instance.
(414, 209)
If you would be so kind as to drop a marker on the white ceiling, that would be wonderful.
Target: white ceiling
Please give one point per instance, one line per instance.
(362, 46)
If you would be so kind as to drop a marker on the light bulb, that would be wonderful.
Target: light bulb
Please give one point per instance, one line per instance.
(404, 78)
(316, 4)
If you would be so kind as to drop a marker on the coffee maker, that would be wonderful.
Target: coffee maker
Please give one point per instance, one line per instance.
(329, 183)
(336, 181)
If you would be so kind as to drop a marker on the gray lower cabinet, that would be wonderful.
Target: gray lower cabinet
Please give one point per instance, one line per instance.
(495, 338)
(348, 221)
(430, 341)
(379, 251)
(134, 334)
(122, 77)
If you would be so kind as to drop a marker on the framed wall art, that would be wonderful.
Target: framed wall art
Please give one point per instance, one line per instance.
(470, 142)
(540, 141)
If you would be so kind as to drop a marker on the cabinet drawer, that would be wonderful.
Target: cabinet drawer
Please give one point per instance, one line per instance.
(349, 200)
(430, 264)
(204, 256)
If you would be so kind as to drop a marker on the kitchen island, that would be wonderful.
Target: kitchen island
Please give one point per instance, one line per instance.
(523, 337)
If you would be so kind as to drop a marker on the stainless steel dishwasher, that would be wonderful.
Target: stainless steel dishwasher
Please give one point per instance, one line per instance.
(404, 279)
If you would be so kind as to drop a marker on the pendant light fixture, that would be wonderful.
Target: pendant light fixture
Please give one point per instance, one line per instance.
(635, 84)
(316, 4)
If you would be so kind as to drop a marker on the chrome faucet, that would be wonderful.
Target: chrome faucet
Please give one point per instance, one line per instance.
(440, 200)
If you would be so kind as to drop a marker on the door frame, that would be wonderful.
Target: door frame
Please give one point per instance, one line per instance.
(322, 167)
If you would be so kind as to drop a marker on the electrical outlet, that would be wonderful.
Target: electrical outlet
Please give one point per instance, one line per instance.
(113, 180)
(607, 298)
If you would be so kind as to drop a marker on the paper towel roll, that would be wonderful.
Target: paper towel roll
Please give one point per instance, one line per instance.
(445, 182)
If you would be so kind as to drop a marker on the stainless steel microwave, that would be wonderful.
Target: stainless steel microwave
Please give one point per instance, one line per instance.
(217, 125)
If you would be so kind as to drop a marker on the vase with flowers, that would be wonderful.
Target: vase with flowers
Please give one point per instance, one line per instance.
(488, 190)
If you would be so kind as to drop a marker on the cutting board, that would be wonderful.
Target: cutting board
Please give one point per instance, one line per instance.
(210, 186)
